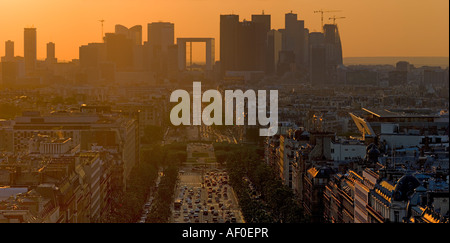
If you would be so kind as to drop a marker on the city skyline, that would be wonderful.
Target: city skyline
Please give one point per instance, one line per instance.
(195, 111)
(357, 34)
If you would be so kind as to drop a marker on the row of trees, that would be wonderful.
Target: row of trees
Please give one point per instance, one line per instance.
(168, 157)
(164, 156)
(152, 134)
(276, 202)
(127, 205)
(160, 210)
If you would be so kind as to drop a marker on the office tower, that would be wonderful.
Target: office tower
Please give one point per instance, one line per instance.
(263, 19)
(8, 65)
(243, 45)
(9, 50)
(12, 67)
(92, 55)
(134, 33)
(306, 46)
(291, 33)
(120, 29)
(286, 62)
(252, 46)
(286, 57)
(51, 53)
(30, 49)
(263, 23)
(119, 50)
(274, 45)
(161, 39)
(294, 39)
(229, 40)
(302, 45)
(9, 73)
(333, 51)
(161, 34)
(318, 61)
(333, 43)
(92, 63)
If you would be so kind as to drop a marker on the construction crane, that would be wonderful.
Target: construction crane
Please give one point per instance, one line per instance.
(102, 21)
(334, 19)
(325, 11)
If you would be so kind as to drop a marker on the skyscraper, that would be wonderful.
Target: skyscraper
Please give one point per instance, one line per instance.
(274, 44)
(92, 55)
(243, 45)
(119, 50)
(51, 53)
(263, 21)
(252, 46)
(294, 39)
(333, 51)
(291, 32)
(333, 43)
(9, 65)
(161, 39)
(10, 73)
(30, 49)
(161, 34)
(9, 50)
(318, 60)
(92, 60)
(134, 33)
(229, 40)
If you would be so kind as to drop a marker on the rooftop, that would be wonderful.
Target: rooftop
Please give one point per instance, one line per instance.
(6, 192)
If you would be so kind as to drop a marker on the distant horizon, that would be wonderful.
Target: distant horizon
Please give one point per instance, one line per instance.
(364, 32)
(348, 61)
(343, 57)
(418, 61)
(398, 56)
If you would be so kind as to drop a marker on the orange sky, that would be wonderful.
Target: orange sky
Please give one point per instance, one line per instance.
(371, 28)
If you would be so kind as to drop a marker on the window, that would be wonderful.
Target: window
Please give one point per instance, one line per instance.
(396, 217)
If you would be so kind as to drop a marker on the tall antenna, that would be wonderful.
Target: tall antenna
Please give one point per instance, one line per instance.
(102, 21)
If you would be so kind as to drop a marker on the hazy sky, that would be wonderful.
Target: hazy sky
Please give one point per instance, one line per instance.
(371, 28)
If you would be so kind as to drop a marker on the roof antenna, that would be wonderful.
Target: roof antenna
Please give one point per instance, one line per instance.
(102, 21)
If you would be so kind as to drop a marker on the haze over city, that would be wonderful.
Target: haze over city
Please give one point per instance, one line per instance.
(234, 112)
(382, 28)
